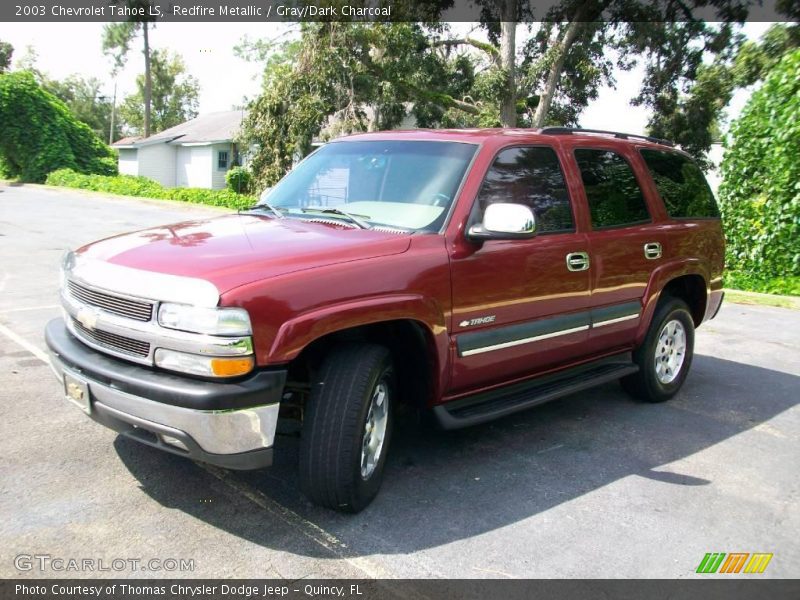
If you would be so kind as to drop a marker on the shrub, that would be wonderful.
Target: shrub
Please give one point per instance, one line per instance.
(760, 191)
(128, 185)
(238, 180)
(38, 134)
(787, 286)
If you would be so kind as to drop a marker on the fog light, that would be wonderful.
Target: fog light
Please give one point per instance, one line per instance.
(207, 366)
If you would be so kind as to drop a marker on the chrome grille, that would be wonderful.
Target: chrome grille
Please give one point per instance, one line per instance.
(124, 307)
(112, 341)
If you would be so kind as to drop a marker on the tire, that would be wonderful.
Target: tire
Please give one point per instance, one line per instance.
(662, 366)
(332, 471)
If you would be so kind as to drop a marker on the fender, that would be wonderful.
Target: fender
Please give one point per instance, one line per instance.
(659, 278)
(297, 333)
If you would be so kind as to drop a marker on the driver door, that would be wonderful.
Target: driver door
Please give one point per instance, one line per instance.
(518, 307)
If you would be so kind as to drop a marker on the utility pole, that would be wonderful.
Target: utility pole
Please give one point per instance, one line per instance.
(113, 108)
(148, 84)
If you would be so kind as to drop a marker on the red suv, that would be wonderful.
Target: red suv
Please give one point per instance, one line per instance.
(473, 273)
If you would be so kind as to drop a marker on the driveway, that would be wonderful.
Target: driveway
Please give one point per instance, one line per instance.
(591, 486)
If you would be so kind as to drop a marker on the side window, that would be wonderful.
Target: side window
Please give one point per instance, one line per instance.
(531, 176)
(614, 195)
(681, 185)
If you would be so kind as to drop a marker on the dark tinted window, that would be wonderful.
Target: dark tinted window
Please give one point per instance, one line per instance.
(612, 191)
(681, 185)
(533, 177)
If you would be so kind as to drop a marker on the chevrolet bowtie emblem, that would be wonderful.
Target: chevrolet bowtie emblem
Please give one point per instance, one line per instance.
(87, 317)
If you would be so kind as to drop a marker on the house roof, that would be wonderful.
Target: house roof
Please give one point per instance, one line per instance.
(206, 129)
(128, 141)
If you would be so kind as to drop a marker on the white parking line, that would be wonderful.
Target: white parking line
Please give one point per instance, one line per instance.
(311, 530)
(5, 311)
(37, 352)
(304, 526)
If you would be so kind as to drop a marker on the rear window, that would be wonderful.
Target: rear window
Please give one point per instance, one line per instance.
(681, 184)
(614, 196)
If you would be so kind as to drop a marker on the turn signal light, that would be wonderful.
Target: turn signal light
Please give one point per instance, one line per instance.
(231, 367)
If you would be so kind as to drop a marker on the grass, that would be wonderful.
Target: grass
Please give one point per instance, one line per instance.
(740, 297)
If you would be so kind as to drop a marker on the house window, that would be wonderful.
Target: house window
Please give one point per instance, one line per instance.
(222, 160)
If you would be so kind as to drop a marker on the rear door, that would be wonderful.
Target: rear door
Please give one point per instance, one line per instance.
(625, 244)
(517, 307)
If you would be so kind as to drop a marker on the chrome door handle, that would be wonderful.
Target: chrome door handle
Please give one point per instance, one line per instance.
(577, 261)
(652, 250)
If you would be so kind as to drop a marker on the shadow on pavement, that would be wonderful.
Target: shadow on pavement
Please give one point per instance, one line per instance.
(440, 487)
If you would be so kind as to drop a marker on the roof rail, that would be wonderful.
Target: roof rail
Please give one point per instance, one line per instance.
(616, 134)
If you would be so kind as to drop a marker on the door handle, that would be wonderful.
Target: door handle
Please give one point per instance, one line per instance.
(652, 250)
(577, 261)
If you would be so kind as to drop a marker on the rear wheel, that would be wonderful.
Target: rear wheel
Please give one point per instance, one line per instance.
(665, 356)
(347, 427)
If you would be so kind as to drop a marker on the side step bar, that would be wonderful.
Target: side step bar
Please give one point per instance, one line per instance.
(487, 406)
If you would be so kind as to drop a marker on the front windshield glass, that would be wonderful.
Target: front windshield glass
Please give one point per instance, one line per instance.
(400, 184)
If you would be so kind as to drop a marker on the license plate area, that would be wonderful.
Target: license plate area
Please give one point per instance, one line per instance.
(76, 390)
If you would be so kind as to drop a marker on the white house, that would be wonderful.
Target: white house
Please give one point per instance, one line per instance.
(197, 153)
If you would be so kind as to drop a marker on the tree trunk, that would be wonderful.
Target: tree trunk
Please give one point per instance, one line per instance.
(558, 56)
(148, 82)
(508, 48)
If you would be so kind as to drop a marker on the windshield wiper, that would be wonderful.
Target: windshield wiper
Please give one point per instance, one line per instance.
(357, 219)
(274, 209)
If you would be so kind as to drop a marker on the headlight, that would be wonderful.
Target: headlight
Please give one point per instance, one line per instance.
(67, 262)
(213, 321)
(207, 366)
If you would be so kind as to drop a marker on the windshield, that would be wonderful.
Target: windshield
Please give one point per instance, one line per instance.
(400, 184)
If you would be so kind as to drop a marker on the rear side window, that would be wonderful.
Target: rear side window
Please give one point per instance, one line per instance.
(614, 196)
(531, 176)
(681, 184)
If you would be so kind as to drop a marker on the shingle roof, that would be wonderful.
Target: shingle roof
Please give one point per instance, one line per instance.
(212, 127)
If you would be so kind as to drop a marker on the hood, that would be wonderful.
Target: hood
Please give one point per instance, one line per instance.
(235, 250)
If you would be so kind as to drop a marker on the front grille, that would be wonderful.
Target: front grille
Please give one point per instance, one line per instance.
(112, 341)
(138, 310)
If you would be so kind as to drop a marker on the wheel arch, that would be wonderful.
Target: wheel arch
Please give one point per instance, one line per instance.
(417, 341)
(686, 280)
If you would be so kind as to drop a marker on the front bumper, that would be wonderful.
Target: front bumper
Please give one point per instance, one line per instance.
(230, 424)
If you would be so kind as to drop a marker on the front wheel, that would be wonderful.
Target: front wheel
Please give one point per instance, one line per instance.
(665, 356)
(347, 427)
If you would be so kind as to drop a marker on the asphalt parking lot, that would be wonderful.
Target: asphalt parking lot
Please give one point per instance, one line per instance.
(591, 486)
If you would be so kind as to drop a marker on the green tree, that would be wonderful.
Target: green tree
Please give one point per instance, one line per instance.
(360, 76)
(6, 52)
(117, 40)
(174, 96)
(760, 193)
(691, 110)
(38, 134)
(351, 77)
(85, 99)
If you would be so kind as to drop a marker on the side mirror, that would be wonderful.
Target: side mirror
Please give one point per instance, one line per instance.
(504, 221)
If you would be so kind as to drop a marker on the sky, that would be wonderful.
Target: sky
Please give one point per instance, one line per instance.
(227, 81)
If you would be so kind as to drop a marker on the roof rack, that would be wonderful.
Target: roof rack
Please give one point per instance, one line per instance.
(616, 134)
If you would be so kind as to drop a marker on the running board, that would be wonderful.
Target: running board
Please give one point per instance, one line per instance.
(487, 406)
